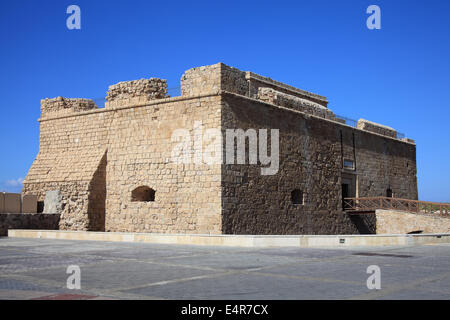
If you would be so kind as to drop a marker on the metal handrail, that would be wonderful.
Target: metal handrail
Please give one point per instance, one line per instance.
(408, 205)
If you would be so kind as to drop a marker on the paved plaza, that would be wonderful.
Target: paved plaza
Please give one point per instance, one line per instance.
(37, 269)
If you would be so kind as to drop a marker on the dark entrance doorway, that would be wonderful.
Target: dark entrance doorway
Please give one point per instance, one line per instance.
(348, 185)
(389, 193)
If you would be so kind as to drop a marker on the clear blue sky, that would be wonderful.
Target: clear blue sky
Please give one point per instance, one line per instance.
(398, 76)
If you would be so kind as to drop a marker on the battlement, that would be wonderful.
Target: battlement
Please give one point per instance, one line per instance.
(214, 79)
(294, 102)
(209, 79)
(376, 128)
(65, 106)
(136, 91)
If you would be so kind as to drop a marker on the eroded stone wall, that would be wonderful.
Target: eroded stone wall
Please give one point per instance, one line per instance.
(70, 151)
(312, 153)
(28, 221)
(220, 77)
(64, 106)
(74, 201)
(136, 91)
(201, 80)
(289, 101)
(97, 159)
(383, 163)
(187, 196)
(309, 160)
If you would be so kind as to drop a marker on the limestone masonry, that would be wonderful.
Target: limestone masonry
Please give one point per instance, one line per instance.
(111, 169)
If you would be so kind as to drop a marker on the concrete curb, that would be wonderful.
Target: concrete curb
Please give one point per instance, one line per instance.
(299, 241)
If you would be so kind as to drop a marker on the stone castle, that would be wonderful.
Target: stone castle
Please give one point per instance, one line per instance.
(111, 168)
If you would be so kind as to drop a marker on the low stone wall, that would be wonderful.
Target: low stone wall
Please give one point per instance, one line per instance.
(376, 128)
(257, 81)
(37, 221)
(252, 241)
(289, 101)
(398, 222)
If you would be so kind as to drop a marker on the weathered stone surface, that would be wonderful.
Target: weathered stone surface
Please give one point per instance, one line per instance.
(289, 101)
(398, 222)
(53, 202)
(256, 81)
(137, 91)
(312, 151)
(64, 106)
(28, 221)
(376, 128)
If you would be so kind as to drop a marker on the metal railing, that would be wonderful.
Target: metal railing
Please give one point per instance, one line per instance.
(347, 121)
(354, 123)
(373, 203)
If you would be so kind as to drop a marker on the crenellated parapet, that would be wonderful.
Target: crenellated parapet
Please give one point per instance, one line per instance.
(214, 80)
(201, 80)
(65, 106)
(136, 91)
(376, 128)
(294, 102)
(256, 81)
(220, 77)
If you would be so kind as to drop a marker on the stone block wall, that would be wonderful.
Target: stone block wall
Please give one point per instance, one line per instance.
(70, 151)
(312, 153)
(234, 80)
(293, 102)
(201, 80)
(383, 163)
(256, 81)
(65, 106)
(310, 160)
(97, 159)
(74, 201)
(397, 222)
(220, 77)
(212, 79)
(187, 196)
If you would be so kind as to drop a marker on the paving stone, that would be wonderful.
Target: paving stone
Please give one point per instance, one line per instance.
(37, 268)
